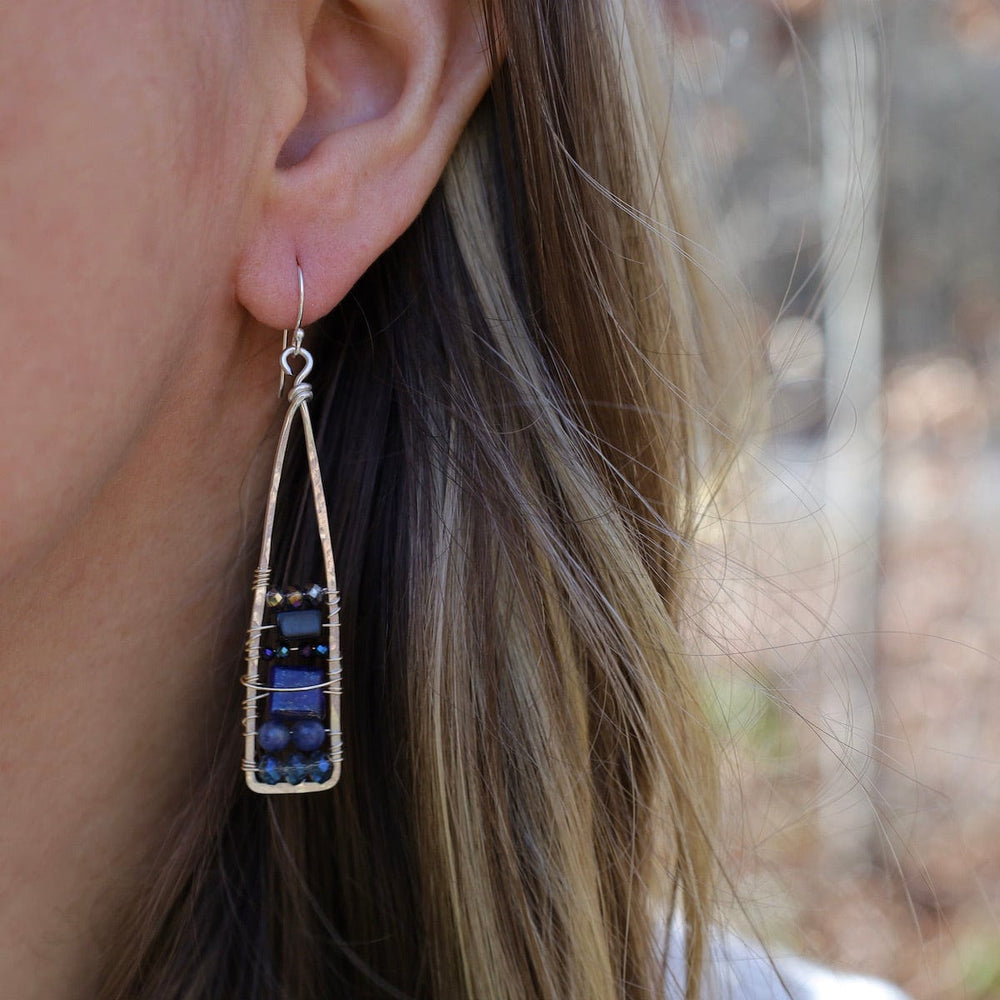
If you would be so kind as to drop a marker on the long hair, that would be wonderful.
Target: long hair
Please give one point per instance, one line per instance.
(514, 417)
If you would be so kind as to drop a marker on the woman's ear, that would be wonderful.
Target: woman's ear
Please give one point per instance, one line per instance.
(389, 86)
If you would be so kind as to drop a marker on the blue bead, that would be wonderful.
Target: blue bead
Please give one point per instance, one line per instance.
(308, 734)
(282, 652)
(297, 703)
(322, 650)
(269, 771)
(296, 769)
(300, 624)
(320, 769)
(273, 736)
(268, 653)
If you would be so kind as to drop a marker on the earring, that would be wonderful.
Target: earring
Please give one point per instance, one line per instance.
(291, 712)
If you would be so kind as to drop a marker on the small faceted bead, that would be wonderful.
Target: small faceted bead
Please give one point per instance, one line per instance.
(281, 652)
(308, 734)
(274, 599)
(296, 769)
(314, 593)
(269, 771)
(320, 769)
(294, 598)
(268, 653)
(306, 652)
(273, 736)
(322, 650)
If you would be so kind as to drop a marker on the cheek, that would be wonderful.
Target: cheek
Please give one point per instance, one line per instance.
(120, 188)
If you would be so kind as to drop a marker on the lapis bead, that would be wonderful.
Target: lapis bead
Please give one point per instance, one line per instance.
(273, 736)
(320, 769)
(307, 624)
(308, 734)
(269, 771)
(297, 703)
(296, 769)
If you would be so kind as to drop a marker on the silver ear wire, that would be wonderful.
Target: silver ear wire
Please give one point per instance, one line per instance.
(297, 336)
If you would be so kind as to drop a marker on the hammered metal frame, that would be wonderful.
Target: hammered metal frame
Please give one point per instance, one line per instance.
(298, 398)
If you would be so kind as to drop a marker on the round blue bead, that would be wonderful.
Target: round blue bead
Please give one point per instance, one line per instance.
(273, 736)
(269, 771)
(320, 768)
(296, 769)
(308, 734)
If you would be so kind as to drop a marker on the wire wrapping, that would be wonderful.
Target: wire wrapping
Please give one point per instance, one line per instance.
(298, 397)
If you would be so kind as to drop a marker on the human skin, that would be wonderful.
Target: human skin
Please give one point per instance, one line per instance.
(163, 167)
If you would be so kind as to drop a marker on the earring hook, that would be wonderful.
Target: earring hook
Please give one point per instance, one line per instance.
(302, 296)
(297, 335)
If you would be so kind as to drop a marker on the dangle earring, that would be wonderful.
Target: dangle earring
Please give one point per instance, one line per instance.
(291, 712)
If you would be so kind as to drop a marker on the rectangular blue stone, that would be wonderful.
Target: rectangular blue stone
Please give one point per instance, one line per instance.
(300, 624)
(297, 704)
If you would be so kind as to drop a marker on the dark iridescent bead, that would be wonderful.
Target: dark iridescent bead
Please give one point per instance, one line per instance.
(269, 771)
(273, 736)
(274, 598)
(314, 593)
(296, 769)
(294, 598)
(320, 769)
(306, 652)
(308, 734)
(322, 650)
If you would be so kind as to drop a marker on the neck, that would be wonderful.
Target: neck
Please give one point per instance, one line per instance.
(122, 646)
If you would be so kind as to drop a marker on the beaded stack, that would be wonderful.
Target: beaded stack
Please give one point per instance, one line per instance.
(293, 740)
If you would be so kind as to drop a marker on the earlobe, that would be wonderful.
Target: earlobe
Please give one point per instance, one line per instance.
(391, 84)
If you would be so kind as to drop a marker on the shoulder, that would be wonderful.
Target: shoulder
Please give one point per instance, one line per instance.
(738, 970)
(811, 982)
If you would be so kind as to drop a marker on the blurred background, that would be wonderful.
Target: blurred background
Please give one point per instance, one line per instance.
(852, 153)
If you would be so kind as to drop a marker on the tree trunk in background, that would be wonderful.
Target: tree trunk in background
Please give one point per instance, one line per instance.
(851, 129)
